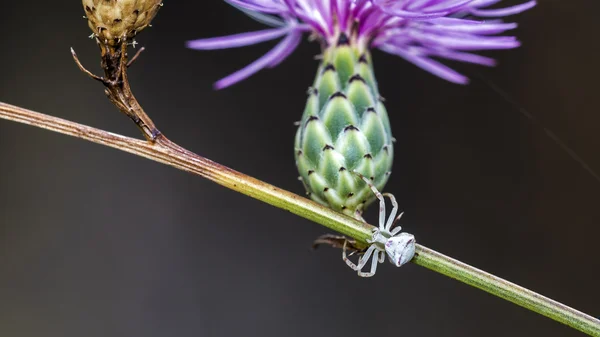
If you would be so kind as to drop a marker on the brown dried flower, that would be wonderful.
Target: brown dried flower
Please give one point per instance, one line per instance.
(115, 21)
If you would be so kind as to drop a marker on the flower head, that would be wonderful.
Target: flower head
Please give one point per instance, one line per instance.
(115, 21)
(416, 30)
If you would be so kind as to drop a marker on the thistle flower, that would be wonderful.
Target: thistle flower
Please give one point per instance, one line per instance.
(345, 126)
(113, 21)
(415, 30)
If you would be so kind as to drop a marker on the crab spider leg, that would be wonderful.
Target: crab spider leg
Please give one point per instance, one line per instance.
(391, 219)
(374, 263)
(365, 258)
(336, 241)
(361, 261)
(345, 258)
(398, 218)
(396, 231)
(381, 200)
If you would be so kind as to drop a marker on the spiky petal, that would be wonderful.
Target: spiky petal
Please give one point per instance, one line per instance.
(420, 31)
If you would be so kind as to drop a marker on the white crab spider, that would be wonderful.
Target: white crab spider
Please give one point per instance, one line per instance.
(400, 247)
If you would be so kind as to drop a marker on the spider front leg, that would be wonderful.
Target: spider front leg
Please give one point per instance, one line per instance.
(392, 220)
(397, 229)
(380, 197)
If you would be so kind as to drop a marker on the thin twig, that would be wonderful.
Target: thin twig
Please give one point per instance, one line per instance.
(84, 69)
(135, 57)
(167, 152)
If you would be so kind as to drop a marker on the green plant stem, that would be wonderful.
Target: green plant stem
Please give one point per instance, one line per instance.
(167, 152)
(494, 285)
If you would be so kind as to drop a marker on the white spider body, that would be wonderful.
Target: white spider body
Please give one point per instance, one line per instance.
(399, 247)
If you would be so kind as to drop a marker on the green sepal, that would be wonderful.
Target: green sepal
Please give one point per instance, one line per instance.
(347, 183)
(315, 138)
(338, 113)
(366, 167)
(327, 84)
(366, 72)
(317, 185)
(333, 198)
(381, 166)
(312, 105)
(353, 145)
(304, 166)
(344, 61)
(330, 165)
(360, 95)
(382, 112)
(374, 130)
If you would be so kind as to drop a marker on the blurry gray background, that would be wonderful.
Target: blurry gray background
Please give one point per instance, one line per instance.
(96, 242)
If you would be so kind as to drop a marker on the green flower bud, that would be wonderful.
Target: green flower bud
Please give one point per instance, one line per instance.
(344, 129)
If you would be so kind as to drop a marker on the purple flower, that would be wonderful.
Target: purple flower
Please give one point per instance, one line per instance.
(416, 30)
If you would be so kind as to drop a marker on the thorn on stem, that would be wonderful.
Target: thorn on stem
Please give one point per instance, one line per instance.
(135, 57)
(85, 71)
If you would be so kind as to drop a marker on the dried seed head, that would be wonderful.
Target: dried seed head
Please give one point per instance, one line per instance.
(113, 21)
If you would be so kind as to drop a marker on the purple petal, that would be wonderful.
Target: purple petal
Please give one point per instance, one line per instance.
(269, 7)
(482, 28)
(266, 19)
(398, 9)
(467, 42)
(427, 64)
(294, 40)
(464, 57)
(485, 3)
(448, 6)
(414, 15)
(273, 56)
(359, 6)
(503, 11)
(237, 40)
(454, 21)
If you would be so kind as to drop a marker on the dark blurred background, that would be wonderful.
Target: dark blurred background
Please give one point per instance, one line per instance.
(97, 242)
